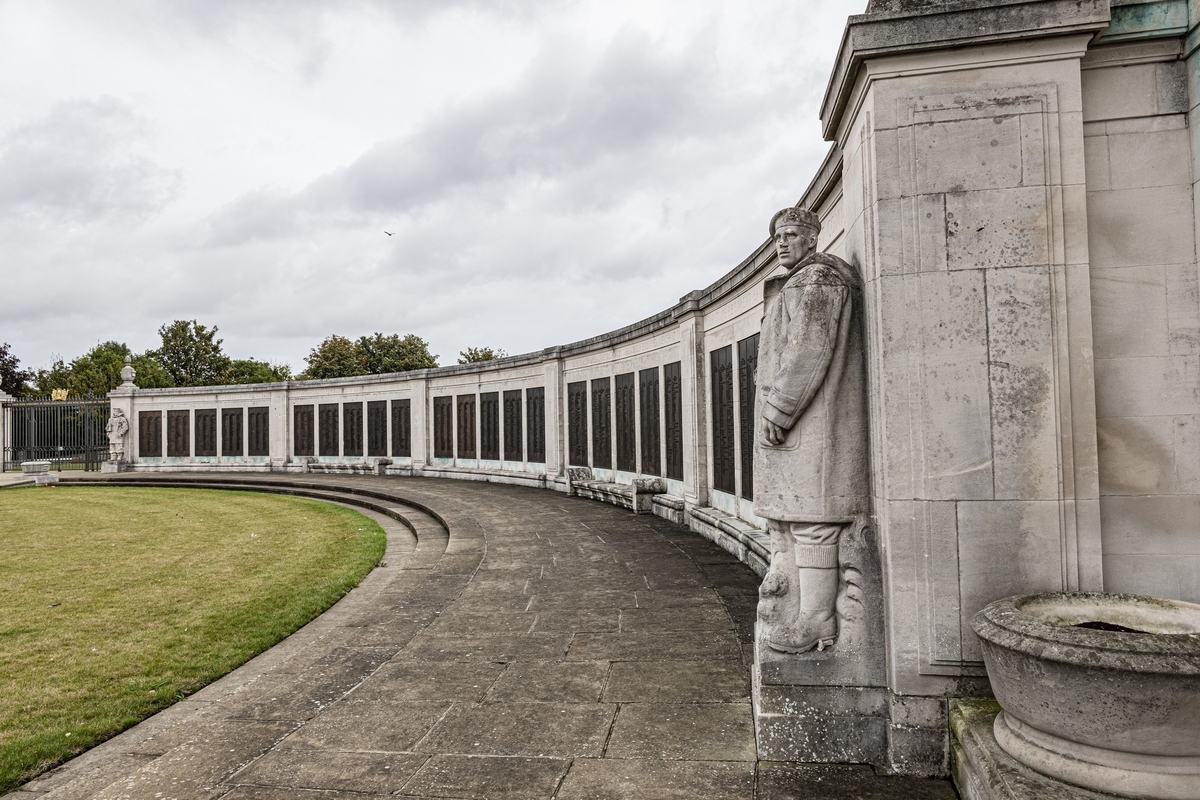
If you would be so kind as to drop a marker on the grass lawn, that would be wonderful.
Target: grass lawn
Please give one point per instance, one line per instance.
(116, 602)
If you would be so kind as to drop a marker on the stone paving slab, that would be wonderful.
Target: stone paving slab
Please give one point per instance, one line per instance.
(518, 643)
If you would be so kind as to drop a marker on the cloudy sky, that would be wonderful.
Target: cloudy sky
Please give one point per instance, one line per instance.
(550, 169)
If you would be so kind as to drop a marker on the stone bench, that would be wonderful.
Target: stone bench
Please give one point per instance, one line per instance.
(375, 467)
(638, 496)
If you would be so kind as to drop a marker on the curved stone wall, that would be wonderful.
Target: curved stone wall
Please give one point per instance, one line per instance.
(668, 399)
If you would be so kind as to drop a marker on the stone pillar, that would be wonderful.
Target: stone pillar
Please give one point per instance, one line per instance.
(693, 377)
(963, 195)
(281, 426)
(5, 427)
(556, 439)
(421, 420)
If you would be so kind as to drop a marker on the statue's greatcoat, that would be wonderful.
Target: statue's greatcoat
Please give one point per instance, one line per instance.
(812, 382)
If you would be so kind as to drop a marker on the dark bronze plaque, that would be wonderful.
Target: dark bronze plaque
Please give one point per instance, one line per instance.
(673, 419)
(258, 426)
(206, 431)
(377, 428)
(149, 434)
(489, 425)
(577, 424)
(747, 368)
(602, 423)
(352, 429)
(179, 443)
(402, 428)
(512, 425)
(648, 406)
(535, 425)
(231, 430)
(303, 434)
(721, 369)
(443, 427)
(626, 422)
(466, 425)
(327, 428)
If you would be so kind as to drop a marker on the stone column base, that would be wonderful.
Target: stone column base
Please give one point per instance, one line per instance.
(983, 771)
(113, 466)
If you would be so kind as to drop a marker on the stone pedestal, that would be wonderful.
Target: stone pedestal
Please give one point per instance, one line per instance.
(831, 705)
(983, 771)
(40, 472)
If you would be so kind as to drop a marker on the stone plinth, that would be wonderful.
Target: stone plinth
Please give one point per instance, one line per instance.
(833, 705)
(983, 771)
(40, 472)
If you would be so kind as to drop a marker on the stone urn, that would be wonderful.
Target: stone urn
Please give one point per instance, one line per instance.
(1098, 690)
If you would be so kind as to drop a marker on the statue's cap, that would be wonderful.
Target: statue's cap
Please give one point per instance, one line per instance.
(796, 215)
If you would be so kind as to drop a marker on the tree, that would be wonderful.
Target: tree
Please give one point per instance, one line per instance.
(98, 372)
(191, 354)
(148, 373)
(336, 357)
(473, 355)
(13, 379)
(247, 370)
(394, 353)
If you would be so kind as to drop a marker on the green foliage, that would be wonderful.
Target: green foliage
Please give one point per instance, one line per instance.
(395, 353)
(146, 595)
(98, 372)
(13, 379)
(148, 373)
(473, 355)
(247, 370)
(336, 357)
(191, 354)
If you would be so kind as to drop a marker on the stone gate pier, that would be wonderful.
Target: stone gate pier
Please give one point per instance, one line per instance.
(1013, 183)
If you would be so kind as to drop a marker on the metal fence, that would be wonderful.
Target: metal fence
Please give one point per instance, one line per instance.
(67, 433)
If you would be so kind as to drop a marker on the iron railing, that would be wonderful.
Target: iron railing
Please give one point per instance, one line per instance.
(68, 433)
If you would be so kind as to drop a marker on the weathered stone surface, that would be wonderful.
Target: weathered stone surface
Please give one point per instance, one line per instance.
(503, 778)
(631, 779)
(550, 730)
(678, 682)
(551, 681)
(687, 731)
(375, 773)
(778, 781)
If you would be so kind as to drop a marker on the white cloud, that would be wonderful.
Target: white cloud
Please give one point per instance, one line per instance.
(81, 163)
(549, 170)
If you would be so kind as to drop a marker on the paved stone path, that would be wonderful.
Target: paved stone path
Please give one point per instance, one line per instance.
(517, 644)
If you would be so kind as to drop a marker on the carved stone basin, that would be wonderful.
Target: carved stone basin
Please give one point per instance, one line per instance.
(1098, 690)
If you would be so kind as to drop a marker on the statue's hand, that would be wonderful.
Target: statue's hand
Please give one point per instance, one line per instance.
(772, 433)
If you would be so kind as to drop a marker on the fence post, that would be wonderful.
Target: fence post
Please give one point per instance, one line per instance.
(5, 429)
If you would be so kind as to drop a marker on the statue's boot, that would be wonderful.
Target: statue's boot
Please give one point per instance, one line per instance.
(816, 624)
(778, 599)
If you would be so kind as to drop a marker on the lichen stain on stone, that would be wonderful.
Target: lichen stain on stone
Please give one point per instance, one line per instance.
(1019, 397)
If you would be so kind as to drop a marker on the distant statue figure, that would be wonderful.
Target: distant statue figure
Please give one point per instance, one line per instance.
(117, 427)
(810, 455)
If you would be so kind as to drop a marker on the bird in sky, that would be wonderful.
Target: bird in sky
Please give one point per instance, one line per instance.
(389, 233)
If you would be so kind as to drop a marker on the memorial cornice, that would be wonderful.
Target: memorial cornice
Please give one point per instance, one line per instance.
(902, 27)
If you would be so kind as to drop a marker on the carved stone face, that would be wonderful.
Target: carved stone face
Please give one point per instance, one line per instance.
(794, 243)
